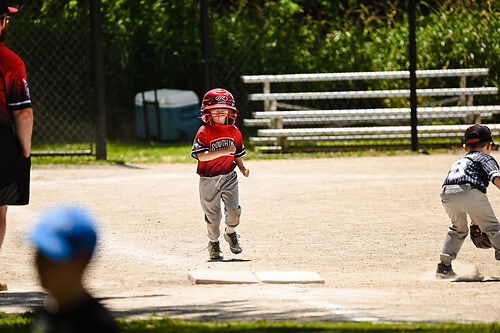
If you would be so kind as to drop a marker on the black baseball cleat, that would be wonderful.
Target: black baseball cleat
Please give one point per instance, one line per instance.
(214, 251)
(234, 245)
(445, 271)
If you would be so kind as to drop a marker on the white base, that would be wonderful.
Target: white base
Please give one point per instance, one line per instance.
(245, 277)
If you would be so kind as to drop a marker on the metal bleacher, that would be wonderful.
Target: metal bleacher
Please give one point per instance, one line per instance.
(280, 129)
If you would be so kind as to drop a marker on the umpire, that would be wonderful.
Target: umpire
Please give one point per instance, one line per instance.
(16, 126)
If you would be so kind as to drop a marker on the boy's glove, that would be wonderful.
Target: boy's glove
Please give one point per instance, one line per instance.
(479, 238)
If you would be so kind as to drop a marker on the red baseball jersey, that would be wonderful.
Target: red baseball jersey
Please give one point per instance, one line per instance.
(211, 138)
(14, 91)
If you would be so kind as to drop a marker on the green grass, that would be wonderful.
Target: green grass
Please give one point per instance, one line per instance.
(167, 325)
(22, 322)
(124, 152)
(120, 152)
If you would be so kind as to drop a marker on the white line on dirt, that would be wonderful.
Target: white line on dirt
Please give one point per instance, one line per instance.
(312, 298)
(338, 310)
(145, 255)
(295, 294)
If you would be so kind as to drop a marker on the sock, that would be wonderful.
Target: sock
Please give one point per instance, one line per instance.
(230, 230)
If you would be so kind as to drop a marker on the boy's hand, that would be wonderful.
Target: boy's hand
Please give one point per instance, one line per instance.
(496, 182)
(245, 171)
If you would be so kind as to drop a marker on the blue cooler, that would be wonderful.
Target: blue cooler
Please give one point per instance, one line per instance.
(168, 115)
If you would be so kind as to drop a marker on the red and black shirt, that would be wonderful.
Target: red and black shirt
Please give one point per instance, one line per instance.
(211, 138)
(14, 91)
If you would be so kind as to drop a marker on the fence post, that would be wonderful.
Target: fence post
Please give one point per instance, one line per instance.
(207, 45)
(413, 76)
(99, 92)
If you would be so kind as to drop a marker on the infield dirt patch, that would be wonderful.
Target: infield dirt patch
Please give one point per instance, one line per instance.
(372, 227)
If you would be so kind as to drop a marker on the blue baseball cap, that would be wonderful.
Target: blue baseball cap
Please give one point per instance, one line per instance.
(63, 232)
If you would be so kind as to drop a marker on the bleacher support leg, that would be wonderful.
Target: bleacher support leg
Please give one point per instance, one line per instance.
(267, 90)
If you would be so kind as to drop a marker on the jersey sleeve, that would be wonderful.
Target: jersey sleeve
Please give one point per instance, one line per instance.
(18, 94)
(201, 143)
(490, 166)
(238, 142)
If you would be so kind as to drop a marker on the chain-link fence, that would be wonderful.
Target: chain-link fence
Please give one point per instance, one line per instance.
(53, 39)
(266, 39)
(159, 44)
(252, 39)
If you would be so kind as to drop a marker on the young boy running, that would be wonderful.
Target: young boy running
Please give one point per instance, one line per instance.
(218, 147)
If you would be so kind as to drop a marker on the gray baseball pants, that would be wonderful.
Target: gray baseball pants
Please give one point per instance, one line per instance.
(212, 191)
(460, 201)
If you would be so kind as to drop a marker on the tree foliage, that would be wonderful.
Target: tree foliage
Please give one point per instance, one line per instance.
(152, 44)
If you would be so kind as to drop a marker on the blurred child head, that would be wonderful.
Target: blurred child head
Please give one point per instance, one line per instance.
(64, 239)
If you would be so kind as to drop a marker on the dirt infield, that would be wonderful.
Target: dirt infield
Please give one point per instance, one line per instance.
(372, 227)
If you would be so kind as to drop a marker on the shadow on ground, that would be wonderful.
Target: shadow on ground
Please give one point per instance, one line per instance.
(240, 310)
(27, 300)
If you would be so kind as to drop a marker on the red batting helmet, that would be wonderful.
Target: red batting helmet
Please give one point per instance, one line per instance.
(218, 99)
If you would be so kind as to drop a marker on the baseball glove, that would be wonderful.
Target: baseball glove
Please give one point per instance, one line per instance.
(479, 238)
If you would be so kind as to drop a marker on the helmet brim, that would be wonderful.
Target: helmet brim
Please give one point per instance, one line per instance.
(218, 106)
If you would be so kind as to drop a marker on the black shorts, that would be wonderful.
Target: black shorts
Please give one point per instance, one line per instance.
(14, 170)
